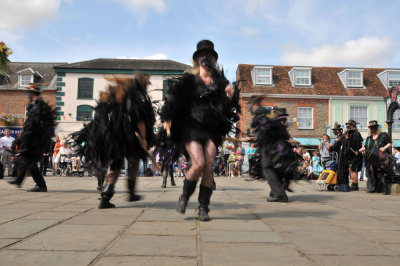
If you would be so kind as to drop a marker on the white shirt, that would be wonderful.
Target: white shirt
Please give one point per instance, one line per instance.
(6, 142)
(226, 150)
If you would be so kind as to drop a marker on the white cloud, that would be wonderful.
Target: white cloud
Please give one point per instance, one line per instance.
(364, 52)
(17, 14)
(144, 5)
(158, 56)
(250, 31)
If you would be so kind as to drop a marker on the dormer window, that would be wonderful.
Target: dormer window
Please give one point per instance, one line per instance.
(352, 78)
(262, 75)
(24, 80)
(300, 76)
(394, 79)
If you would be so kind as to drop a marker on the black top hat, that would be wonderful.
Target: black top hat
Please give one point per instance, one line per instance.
(352, 123)
(205, 45)
(337, 127)
(281, 111)
(373, 123)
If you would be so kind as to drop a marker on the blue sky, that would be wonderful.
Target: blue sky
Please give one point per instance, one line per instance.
(347, 33)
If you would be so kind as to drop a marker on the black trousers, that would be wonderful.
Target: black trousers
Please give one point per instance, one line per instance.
(35, 172)
(44, 163)
(277, 188)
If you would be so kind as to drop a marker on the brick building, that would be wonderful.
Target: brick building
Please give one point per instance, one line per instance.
(13, 98)
(317, 97)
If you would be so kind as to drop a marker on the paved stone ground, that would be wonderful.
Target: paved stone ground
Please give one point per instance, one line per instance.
(64, 226)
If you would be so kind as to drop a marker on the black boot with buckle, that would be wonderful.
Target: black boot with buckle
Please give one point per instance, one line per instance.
(106, 194)
(204, 202)
(188, 189)
(131, 188)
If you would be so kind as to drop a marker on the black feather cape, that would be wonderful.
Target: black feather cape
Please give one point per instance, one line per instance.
(37, 132)
(272, 137)
(166, 149)
(215, 112)
(111, 133)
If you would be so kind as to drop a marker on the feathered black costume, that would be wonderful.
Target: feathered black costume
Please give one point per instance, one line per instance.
(115, 133)
(112, 131)
(35, 137)
(279, 162)
(199, 112)
(168, 154)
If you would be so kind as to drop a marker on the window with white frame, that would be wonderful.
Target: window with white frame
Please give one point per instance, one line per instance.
(360, 115)
(354, 79)
(303, 77)
(262, 75)
(396, 120)
(305, 118)
(24, 80)
(394, 79)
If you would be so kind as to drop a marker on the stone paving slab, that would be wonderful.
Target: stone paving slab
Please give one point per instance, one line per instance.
(65, 227)
(251, 254)
(72, 238)
(241, 237)
(146, 261)
(163, 228)
(24, 228)
(150, 245)
(329, 260)
(28, 257)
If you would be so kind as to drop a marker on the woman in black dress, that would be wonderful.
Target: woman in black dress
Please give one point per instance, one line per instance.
(376, 175)
(200, 109)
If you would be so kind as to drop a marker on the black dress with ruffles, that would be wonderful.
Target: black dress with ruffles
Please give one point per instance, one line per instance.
(199, 112)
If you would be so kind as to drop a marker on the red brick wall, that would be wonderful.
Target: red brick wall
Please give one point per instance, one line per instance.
(320, 115)
(13, 101)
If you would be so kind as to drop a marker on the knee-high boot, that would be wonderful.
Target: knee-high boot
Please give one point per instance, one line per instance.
(171, 172)
(188, 189)
(131, 188)
(165, 175)
(106, 194)
(204, 202)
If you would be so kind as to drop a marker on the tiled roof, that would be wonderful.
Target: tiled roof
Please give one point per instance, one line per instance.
(127, 64)
(44, 69)
(325, 81)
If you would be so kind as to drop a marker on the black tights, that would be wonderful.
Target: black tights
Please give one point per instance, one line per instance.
(202, 156)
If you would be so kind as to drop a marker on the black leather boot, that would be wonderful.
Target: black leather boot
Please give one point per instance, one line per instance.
(188, 189)
(172, 181)
(106, 194)
(15, 181)
(131, 188)
(204, 202)
(354, 187)
(386, 190)
(164, 182)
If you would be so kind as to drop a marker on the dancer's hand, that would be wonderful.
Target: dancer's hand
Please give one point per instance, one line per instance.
(229, 90)
(167, 127)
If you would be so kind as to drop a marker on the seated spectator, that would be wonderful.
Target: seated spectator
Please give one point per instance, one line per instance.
(231, 162)
(238, 163)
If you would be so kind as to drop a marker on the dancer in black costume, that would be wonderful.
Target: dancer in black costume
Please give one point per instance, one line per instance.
(168, 155)
(354, 159)
(376, 175)
(279, 162)
(200, 110)
(36, 136)
(341, 148)
(122, 127)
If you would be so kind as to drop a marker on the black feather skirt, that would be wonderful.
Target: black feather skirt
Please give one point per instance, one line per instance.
(199, 112)
(112, 133)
